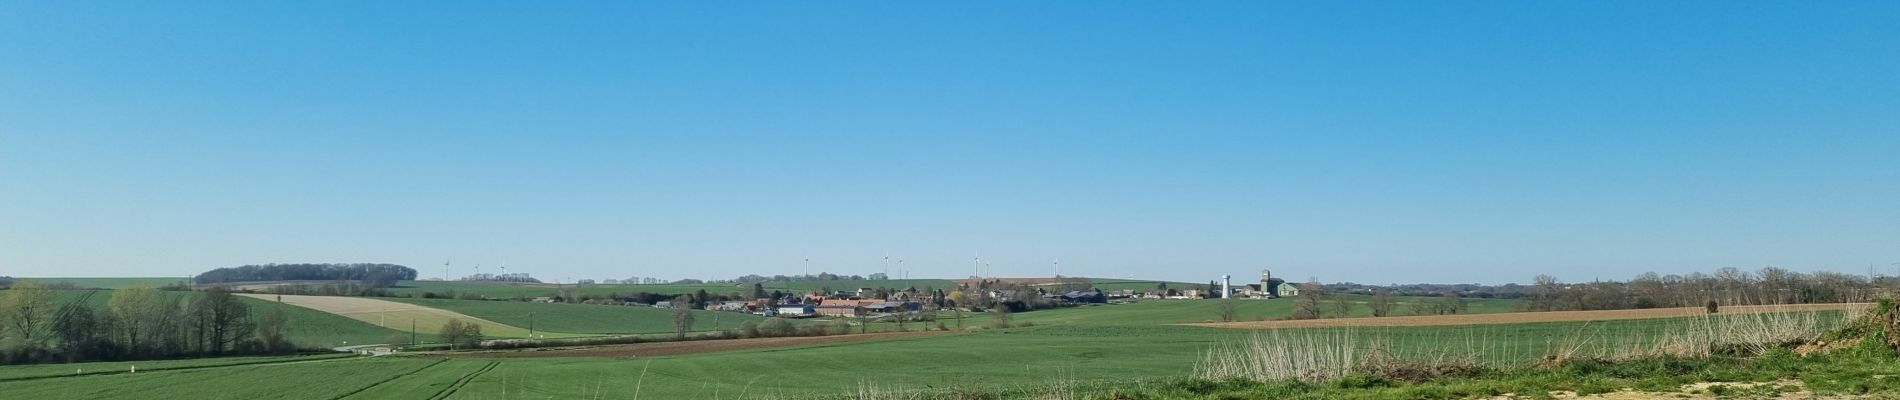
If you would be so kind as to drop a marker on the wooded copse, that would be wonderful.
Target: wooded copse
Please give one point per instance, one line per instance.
(137, 323)
(373, 275)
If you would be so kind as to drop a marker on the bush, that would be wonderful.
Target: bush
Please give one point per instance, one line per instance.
(748, 329)
(776, 327)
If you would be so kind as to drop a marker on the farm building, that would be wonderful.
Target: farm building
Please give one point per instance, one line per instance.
(893, 306)
(1286, 289)
(840, 310)
(796, 310)
(727, 306)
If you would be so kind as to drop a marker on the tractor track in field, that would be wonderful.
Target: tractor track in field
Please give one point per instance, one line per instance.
(387, 380)
(459, 383)
(688, 347)
(175, 369)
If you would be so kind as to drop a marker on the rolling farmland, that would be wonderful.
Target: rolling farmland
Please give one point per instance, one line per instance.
(582, 318)
(1079, 352)
(397, 316)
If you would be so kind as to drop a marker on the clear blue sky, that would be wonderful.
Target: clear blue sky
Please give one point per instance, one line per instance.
(1374, 142)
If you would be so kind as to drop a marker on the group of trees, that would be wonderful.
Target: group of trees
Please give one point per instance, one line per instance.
(1319, 301)
(461, 335)
(518, 277)
(373, 275)
(137, 323)
(1727, 286)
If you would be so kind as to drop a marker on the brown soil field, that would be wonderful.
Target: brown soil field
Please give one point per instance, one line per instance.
(1522, 317)
(687, 347)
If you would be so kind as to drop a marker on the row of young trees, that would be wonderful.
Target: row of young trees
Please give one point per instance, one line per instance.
(1727, 286)
(137, 323)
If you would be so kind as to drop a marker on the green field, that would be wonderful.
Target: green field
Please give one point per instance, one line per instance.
(306, 380)
(111, 283)
(1079, 352)
(37, 371)
(1099, 345)
(583, 318)
(1155, 312)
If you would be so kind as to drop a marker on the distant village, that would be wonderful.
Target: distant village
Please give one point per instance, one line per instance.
(974, 294)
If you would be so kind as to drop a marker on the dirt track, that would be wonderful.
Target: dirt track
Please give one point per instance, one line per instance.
(1522, 317)
(687, 347)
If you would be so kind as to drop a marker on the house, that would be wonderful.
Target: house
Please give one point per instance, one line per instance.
(543, 299)
(796, 311)
(727, 306)
(663, 304)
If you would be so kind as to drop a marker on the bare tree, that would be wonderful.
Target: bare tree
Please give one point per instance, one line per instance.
(135, 314)
(1307, 305)
(274, 331)
(1341, 307)
(222, 319)
(682, 318)
(1451, 303)
(1546, 293)
(1226, 310)
(28, 308)
(1381, 303)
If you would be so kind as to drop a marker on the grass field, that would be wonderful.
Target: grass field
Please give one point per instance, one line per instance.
(1080, 353)
(400, 316)
(309, 380)
(1109, 344)
(1156, 312)
(112, 283)
(583, 318)
(1093, 345)
(38, 371)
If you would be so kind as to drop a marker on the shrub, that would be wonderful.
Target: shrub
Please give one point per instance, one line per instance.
(776, 327)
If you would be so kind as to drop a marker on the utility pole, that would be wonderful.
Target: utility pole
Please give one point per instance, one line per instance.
(412, 331)
(530, 325)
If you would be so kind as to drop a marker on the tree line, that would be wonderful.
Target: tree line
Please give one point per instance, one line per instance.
(373, 275)
(1727, 286)
(136, 323)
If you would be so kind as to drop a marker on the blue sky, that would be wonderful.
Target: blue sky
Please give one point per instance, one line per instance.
(1374, 142)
